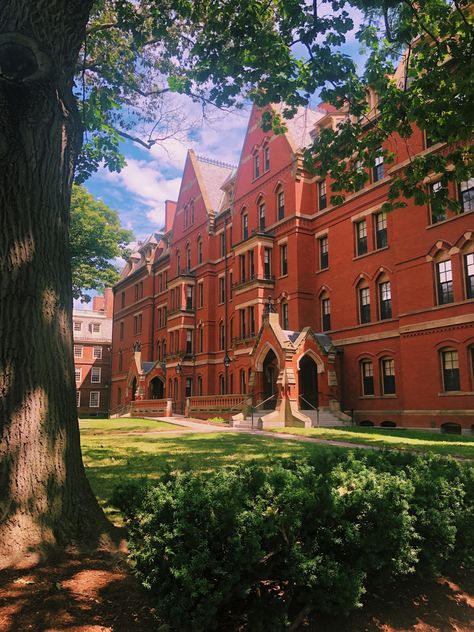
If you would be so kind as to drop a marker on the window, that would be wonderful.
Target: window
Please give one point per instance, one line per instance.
(444, 275)
(242, 268)
(261, 216)
(245, 226)
(267, 263)
(251, 264)
(94, 328)
(138, 291)
(78, 374)
(378, 168)
(364, 305)
(221, 384)
(367, 371)
(160, 283)
(266, 158)
(178, 262)
(450, 362)
(97, 353)
(361, 238)
(201, 294)
(189, 341)
(120, 360)
(360, 175)
(94, 399)
(199, 250)
(381, 230)
(284, 260)
(192, 212)
(221, 336)
(122, 299)
(280, 204)
(231, 281)
(251, 314)
(326, 313)
(137, 324)
(256, 166)
(166, 280)
(222, 244)
(243, 331)
(323, 253)
(388, 376)
(438, 214)
(78, 398)
(96, 374)
(186, 216)
(322, 195)
(466, 195)
(122, 329)
(77, 325)
(188, 259)
(78, 351)
(284, 315)
(243, 381)
(469, 274)
(199, 386)
(189, 297)
(385, 297)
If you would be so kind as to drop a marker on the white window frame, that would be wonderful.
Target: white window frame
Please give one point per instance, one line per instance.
(96, 375)
(97, 353)
(78, 351)
(91, 404)
(77, 325)
(78, 398)
(78, 374)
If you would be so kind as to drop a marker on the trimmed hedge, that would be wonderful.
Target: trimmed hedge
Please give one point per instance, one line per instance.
(258, 547)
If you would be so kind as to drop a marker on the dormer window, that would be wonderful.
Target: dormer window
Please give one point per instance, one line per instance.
(266, 159)
(256, 166)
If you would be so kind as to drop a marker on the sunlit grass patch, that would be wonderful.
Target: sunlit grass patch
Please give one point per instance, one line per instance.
(397, 438)
(125, 424)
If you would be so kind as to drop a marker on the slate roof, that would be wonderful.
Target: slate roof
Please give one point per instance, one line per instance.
(147, 366)
(301, 125)
(214, 174)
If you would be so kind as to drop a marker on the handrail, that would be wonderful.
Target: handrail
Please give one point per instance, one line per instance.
(316, 408)
(264, 402)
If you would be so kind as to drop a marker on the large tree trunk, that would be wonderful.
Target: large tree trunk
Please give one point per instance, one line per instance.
(45, 498)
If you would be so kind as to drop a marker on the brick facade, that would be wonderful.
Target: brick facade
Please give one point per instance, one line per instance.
(93, 355)
(393, 295)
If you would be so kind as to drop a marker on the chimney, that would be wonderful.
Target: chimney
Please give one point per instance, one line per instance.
(104, 303)
(170, 210)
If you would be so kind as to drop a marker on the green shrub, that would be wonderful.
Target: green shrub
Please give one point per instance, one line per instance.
(254, 547)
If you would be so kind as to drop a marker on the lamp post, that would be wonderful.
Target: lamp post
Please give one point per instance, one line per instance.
(178, 369)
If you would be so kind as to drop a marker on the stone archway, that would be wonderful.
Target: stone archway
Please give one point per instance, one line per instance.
(156, 388)
(308, 383)
(269, 379)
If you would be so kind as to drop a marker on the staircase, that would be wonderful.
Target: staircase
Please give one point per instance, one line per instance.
(246, 424)
(327, 419)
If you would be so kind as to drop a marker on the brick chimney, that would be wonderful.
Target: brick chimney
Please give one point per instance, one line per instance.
(104, 303)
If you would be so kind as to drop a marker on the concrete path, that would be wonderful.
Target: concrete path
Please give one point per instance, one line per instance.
(201, 426)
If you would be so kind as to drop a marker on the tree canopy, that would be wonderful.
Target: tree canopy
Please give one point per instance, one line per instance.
(289, 51)
(96, 238)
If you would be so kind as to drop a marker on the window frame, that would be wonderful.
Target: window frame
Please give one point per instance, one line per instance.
(96, 375)
(367, 380)
(284, 260)
(388, 379)
(456, 375)
(322, 195)
(362, 246)
(364, 305)
(385, 304)
(444, 288)
(323, 243)
(91, 394)
(381, 234)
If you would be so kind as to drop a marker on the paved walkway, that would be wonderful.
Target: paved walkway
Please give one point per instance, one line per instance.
(201, 426)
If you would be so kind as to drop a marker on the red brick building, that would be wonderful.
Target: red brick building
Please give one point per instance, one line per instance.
(92, 355)
(372, 313)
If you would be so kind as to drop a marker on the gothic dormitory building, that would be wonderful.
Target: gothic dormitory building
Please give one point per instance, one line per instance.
(368, 313)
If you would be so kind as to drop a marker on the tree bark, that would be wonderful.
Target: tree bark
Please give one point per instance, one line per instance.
(45, 498)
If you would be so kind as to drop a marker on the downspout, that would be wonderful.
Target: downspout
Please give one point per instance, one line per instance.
(226, 368)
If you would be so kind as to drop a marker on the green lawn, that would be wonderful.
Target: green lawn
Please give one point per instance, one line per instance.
(404, 439)
(113, 457)
(126, 424)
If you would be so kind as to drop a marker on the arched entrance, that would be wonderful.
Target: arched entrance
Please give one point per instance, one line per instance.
(156, 389)
(308, 383)
(270, 375)
(133, 388)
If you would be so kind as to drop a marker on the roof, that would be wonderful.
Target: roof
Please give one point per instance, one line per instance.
(147, 366)
(214, 173)
(300, 126)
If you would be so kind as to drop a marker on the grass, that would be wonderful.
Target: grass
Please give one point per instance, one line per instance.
(403, 439)
(124, 425)
(112, 457)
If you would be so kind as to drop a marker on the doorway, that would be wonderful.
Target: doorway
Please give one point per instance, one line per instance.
(308, 383)
(270, 375)
(156, 389)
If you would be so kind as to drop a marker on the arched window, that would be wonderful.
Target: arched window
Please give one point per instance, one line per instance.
(444, 282)
(221, 385)
(158, 351)
(450, 370)
(325, 312)
(367, 376)
(221, 336)
(366, 423)
(280, 199)
(199, 250)
(199, 385)
(188, 257)
(266, 158)
(261, 214)
(284, 315)
(388, 424)
(363, 299)
(387, 366)
(256, 165)
(245, 225)
(178, 262)
(385, 297)
(120, 360)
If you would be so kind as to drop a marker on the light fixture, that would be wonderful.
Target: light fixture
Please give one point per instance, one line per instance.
(226, 361)
(178, 368)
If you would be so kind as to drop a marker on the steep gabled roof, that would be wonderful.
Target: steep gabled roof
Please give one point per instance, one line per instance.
(212, 174)
(300, 126)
